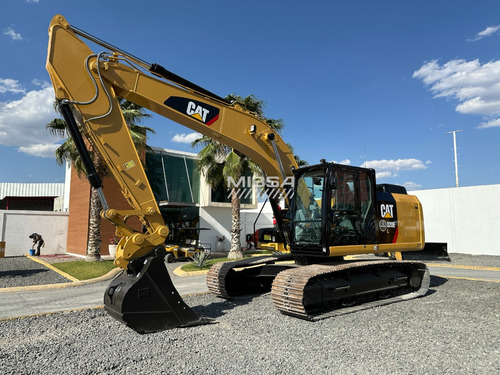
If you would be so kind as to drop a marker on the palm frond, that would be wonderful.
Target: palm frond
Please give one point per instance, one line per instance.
(57, 127)
(132, 113)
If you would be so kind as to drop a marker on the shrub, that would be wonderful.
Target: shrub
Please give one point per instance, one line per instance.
(200, 259)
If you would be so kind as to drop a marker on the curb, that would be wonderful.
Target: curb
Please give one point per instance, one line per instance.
(98, 307)
(74, 282)
(50, 266)
(50, 313)
(179, 272)
(481, 268)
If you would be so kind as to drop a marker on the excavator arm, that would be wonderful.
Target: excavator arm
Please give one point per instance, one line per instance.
(89, 84)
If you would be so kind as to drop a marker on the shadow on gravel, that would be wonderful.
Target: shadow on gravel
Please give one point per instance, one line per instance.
(217, 309)
(21, 273)
(438, 280)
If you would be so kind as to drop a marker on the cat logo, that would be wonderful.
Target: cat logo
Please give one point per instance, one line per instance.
(197, 111)
(387, 211)
(201, 112)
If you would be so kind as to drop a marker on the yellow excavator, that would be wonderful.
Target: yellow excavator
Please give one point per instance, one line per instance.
(334, 210)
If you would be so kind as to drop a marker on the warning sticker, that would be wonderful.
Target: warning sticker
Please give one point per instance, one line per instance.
(129, 164)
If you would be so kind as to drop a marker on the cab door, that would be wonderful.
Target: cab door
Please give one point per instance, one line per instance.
(350, 202)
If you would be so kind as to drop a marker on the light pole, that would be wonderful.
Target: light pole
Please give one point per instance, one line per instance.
(454, 132)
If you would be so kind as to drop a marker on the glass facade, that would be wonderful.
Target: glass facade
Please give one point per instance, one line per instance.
(176, 186)
(175, 181)
(173, 178)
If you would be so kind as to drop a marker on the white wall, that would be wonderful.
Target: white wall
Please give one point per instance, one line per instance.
(467, 218)
(16, 226)
(248, 218)
(218, 220)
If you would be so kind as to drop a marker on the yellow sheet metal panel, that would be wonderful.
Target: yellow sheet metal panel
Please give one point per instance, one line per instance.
(410, 220)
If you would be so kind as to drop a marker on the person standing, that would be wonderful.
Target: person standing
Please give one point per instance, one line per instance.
(37, 241)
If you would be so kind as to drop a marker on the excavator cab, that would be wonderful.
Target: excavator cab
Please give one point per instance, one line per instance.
(333, 205)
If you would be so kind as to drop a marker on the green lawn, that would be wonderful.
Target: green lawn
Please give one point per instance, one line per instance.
(83, 270)
(190, 267)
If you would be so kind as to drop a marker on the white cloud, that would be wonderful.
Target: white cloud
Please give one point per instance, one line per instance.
(14, 35)
(43, 84)
(344, 162)
(390, 168)
(489, 31)
(40, 150)
(474, 85)
(22, 122)
(489, 124)
(186, 138)
(385, 174)
(8, 85)
(411, 186)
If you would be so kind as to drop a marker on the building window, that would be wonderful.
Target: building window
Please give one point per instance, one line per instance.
(173, 178)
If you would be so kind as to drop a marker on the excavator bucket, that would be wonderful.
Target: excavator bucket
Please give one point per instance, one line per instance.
(144, 298)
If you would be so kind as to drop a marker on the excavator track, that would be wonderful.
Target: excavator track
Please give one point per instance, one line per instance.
(225, 281)
(319, 291)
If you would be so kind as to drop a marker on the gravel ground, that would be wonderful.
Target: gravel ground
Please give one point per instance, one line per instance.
(455, 329)
(22, 271)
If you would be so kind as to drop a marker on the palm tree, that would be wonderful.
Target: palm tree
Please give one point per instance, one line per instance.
(252, 104)
(217, 163)
(300, 162)
(133, 115)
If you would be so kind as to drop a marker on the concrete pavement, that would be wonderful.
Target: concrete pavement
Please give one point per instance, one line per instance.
(477, 273)
(42, 299)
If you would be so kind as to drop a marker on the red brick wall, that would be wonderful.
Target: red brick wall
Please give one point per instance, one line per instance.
(78, 220)
(115, 199)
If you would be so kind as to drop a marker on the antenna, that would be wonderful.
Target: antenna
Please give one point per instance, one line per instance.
(454, 132)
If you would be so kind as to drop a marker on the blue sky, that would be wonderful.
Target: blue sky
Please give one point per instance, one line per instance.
(373, 83)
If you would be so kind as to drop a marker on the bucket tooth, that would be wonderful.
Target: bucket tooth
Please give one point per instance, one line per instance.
(146, 299)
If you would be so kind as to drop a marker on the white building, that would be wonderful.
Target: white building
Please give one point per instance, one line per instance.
(185, 199)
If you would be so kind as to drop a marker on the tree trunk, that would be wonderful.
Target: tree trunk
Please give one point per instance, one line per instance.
(235, 251)
(94, 239)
